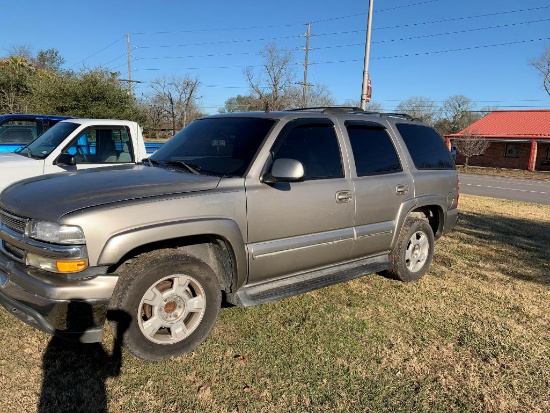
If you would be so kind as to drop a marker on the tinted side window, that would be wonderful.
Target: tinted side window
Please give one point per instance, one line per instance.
(315, 146)
(426, 147)
(18, 131)
(373, 151)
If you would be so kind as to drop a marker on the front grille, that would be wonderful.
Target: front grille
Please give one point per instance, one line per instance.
(13, 222)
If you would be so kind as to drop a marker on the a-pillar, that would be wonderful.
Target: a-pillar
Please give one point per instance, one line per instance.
(533, 155)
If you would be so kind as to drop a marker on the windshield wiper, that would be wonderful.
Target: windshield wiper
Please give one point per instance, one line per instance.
(191, 167)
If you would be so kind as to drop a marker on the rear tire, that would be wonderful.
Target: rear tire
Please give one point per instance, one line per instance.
(413, 252)
(173, 301)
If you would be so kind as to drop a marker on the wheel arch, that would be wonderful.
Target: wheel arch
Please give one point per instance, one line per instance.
(217, 242)
(430, 208)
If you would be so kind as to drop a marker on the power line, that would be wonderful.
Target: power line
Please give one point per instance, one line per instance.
(197, 56)
(342, 46)
(220, 29)
(98, 52)
(377, 11)
(462, 18)
(439, 51)
(464, 31)
(317, 35)
(376, 58)
(222, 42)
(279, 25)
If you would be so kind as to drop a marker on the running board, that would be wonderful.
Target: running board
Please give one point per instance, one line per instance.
(268, 291)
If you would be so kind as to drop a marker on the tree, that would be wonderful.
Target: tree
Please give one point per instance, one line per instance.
(274, 87)
(542, 64)
(175, 97)
(95, 93)
(38, 84)
(420, 108)
(318, 95)
(241, 103)
(15, 90)
(24, 51)
(49, 60)
(458, 114)
(273, 84)
(471, 144)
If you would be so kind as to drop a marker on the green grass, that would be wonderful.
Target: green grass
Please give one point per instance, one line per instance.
(471, 336)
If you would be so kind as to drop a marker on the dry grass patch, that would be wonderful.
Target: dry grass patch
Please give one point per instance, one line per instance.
(471, 336)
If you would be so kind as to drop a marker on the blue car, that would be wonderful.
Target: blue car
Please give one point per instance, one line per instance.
(18, 130)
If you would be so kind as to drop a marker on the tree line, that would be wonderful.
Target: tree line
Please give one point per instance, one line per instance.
(37, 83)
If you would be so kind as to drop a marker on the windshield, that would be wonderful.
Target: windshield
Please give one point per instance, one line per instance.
(51, 139)
(218, 146)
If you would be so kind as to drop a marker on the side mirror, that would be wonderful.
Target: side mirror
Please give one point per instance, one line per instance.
(285, 170)
(66, 159)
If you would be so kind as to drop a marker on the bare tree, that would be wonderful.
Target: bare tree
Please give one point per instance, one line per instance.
(273, 83)
(174, 97)
(318, 95)
(471, 144)
(459, 112)
(22, 50)
(542, 64)
(420, 108)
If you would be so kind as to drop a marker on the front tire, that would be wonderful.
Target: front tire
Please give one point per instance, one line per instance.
(173, 301)
(413, 252)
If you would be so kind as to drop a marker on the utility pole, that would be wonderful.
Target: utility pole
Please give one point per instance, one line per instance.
(306, 63)
(129, 66)
(366, 79)
(305, 85)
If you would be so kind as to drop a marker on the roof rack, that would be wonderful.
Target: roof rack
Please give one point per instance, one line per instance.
(353, 109)
(333, 109)
(399, 115)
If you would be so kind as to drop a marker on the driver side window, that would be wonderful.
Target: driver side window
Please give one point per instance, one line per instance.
(316, 146)
(102, 145)
(82, 148)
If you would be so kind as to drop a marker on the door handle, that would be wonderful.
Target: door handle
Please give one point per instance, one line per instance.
(401, 189)
(343, 196)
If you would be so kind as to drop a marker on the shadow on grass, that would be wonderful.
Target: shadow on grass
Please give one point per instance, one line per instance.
(75, 373)
(525, 244)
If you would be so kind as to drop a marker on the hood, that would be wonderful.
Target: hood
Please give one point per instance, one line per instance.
(14, 167)
(15, 160)
(51, 196)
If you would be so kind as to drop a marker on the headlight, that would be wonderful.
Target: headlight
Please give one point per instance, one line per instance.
(55, 233)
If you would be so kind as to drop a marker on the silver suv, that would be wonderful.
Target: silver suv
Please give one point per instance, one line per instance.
(240, 208)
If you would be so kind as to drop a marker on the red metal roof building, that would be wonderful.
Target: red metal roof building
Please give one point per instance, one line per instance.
(520, 139)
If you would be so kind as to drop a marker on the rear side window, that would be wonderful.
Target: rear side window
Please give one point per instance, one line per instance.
(427, 149)
(18, 131)
(373, 151)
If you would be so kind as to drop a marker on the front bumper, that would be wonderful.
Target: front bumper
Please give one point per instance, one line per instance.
(74, 309)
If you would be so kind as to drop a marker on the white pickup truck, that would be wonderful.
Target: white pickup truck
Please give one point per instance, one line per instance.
(75, 144)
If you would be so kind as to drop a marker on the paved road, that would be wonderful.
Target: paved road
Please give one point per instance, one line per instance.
(526, 190)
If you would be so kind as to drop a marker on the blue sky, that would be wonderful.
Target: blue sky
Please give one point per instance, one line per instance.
(435, 49)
